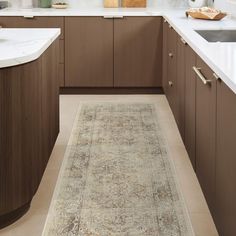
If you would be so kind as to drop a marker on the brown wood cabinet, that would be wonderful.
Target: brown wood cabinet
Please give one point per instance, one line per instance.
(171, 88)
(180, 86)
(190, 105)
(206, 130)
(225, 161)
(88, 52)
(39, 22)
(208, 127)
(174, 50)
(165, 56)
(29, 121)
(138, 52)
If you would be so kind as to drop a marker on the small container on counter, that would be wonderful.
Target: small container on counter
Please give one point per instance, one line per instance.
(45, 3)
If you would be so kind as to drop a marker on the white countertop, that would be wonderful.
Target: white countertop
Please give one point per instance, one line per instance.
(18, 46)
(221, 57)
(81, 12)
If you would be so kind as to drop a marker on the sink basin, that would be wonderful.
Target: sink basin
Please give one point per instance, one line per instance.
(218, 35)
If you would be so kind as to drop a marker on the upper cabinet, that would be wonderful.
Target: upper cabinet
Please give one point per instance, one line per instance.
(138, 52)
(88, 52)
(225, 161)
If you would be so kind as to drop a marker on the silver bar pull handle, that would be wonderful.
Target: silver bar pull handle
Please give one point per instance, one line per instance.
(201, 76)
(170, 83)
(108, 17)
(28, 17)
(216, 76)
(118, 17)
(113, 17)
(183, 41)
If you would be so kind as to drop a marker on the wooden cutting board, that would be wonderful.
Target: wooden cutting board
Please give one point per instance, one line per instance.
(111, 3)
(134, 3)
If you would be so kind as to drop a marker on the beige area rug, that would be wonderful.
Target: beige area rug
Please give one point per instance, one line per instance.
(117, 178)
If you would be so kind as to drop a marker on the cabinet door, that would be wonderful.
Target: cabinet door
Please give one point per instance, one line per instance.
(180, 86)
(165, 56)
(88, 52)
(226, 161)
(206, 131)
(138, 52)
(171, 90)
(50, 100)
(190, 104)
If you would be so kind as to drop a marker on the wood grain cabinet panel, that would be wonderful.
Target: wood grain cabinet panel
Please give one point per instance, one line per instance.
(165, 56)
(88, 52)
(180, 86)
(206, 132)
(138, 52)
(171, 89)
(190, 105)
(225, 161)
(29, 121)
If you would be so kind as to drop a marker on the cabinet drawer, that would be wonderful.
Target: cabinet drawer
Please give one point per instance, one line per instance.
(35, 22)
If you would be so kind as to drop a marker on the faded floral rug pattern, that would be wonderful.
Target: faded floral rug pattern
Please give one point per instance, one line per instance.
(117, 178)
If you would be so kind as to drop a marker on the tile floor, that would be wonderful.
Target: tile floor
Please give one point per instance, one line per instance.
(33, 222)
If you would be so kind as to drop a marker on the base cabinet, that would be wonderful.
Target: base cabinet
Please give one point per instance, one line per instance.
(29, 121)
(171, 88)
(165, 56)
(225, 214)
(190, 105)
(207, 127)
(115, 53)
(138, 52)
(180, 86)
(206, 131)
(88, 52)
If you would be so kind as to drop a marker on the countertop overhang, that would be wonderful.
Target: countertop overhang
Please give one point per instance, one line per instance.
(19, 46)
(221, 57)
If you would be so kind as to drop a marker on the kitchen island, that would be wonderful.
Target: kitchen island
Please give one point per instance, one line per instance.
(29, 114)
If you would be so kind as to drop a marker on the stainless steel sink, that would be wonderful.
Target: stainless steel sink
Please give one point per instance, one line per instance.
(218, 35)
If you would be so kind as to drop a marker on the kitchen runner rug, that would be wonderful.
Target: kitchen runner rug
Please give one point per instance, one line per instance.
(117, 178)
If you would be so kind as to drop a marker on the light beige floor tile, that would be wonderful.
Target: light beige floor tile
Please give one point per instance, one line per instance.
(32, 223)
(203, 224)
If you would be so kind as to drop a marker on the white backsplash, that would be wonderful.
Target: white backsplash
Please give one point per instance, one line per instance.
(226, 5)
(99, 3)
